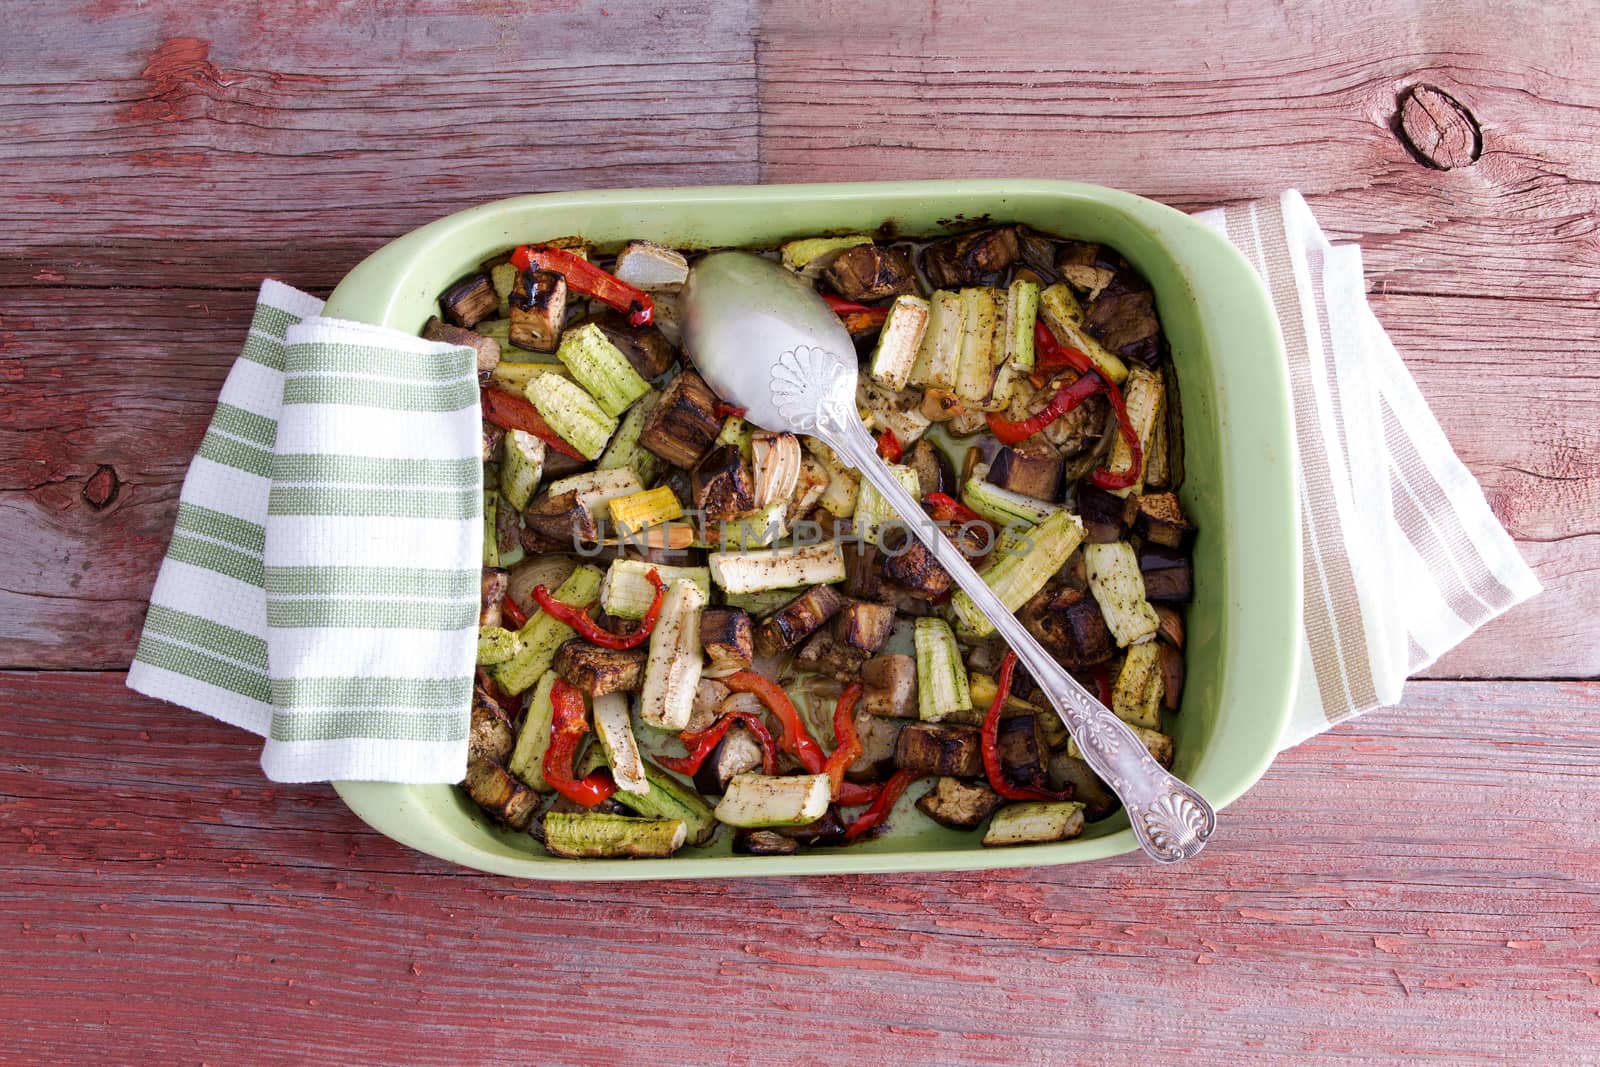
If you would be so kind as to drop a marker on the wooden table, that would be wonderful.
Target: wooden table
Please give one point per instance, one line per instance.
(1417, 886)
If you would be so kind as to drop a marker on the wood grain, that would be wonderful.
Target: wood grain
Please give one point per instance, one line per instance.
(164, 908)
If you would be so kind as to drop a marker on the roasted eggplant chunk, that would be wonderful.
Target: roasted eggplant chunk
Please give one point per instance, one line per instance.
(1070, 625)
(1159, 520)
(1032, 469)
(959, 805)
(598, 671)
(727, 636)
(684, 422)
(500, 794)
(1023, 756)
(970, 258)
(1168, 575)
(1123, 318)
(490, 735)
(561, 518)
(798, 619)
(722, 485)
(538, 308)
(891, 686)
(863, 570)
(826, 654)
(764, 843)
(912, 565)
(488, 348)
(868, 272)
(469, 301)
(864, 625)
(952, 749)
(934, 473)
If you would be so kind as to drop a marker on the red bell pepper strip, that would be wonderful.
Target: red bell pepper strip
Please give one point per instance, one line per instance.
(880, 808)
(723, 410)
(589, 280)
(1067, 397)
(991, 744)
(593, 632)
(1102, 685)
(843, 307)
(567, 728)
(1109, 479)
(514, 614)
(512, 412)
(794, 739)
(848, 747)
(947, 509)
(889, 446)
(1050, 355)
(700, 744)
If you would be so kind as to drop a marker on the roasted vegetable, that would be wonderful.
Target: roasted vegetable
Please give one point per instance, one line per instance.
(1136, 696)
(492, 590)
(672, 670)
(825, 654)
(891, 686)
(763, 843)
(627, 591)
(777, 568)
(487, 348)
(538, 308)
(812, 255)
(722, 485)
(940, 748)
(728, 638)
(737, 753)
(1062, 313)
(1034, 822)
(1144, 395)
(1070, 625)
(498, 792)
(667, 798)
(868, 272)
(958, 804)
(683, 423)
(970, 258)
(1118, 587)
(873, 512)
(1122, 316)
(759, 800)
(594, 835)
(942, 688)
(1022, 311)
(913, 566)
(469, 301)
(797, 620)
(624, 450)
(562, 518)
(933, 470)
(489, 735)
(521, 466)
(1071, 773)
(572, 414)
(1030, 469)
(1023, 754)
(899, 341)
(980, 322)
(1105, 514)
(1168, 575)
(864, 625)
(599, 671)
(1159, 520)
(645, 347)
(651, 267)
(939, 356)
(598, 366)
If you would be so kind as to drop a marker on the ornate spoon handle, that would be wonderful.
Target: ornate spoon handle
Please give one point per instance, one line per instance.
(1170, 819)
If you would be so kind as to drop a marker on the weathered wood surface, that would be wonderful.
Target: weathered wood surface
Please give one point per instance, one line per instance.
(164, 904)
(1420, 886)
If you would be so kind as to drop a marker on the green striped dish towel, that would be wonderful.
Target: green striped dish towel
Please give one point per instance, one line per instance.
(321, 587)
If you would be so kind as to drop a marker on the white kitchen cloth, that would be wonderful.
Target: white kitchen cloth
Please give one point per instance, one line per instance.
(321, 588)
(1402, 557)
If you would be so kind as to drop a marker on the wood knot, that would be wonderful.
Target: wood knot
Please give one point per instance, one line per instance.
(102, 487)
(1437, 129)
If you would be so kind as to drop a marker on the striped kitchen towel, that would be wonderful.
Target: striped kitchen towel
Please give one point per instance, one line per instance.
(321, 588)
(1402, 556)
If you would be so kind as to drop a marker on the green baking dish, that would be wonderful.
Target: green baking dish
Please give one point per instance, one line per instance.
(1243, 626)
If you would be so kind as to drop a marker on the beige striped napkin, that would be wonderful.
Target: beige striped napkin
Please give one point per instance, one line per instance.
(1402, 556)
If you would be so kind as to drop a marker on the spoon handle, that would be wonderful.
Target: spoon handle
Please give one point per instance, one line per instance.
(1171, 820)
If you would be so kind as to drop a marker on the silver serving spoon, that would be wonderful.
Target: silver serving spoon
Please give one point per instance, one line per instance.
(766, 341)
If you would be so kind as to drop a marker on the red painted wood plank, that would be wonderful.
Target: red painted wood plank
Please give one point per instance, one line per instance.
(1419, 886)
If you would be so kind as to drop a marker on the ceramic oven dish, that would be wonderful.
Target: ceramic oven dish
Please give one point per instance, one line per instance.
(1243, 624)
